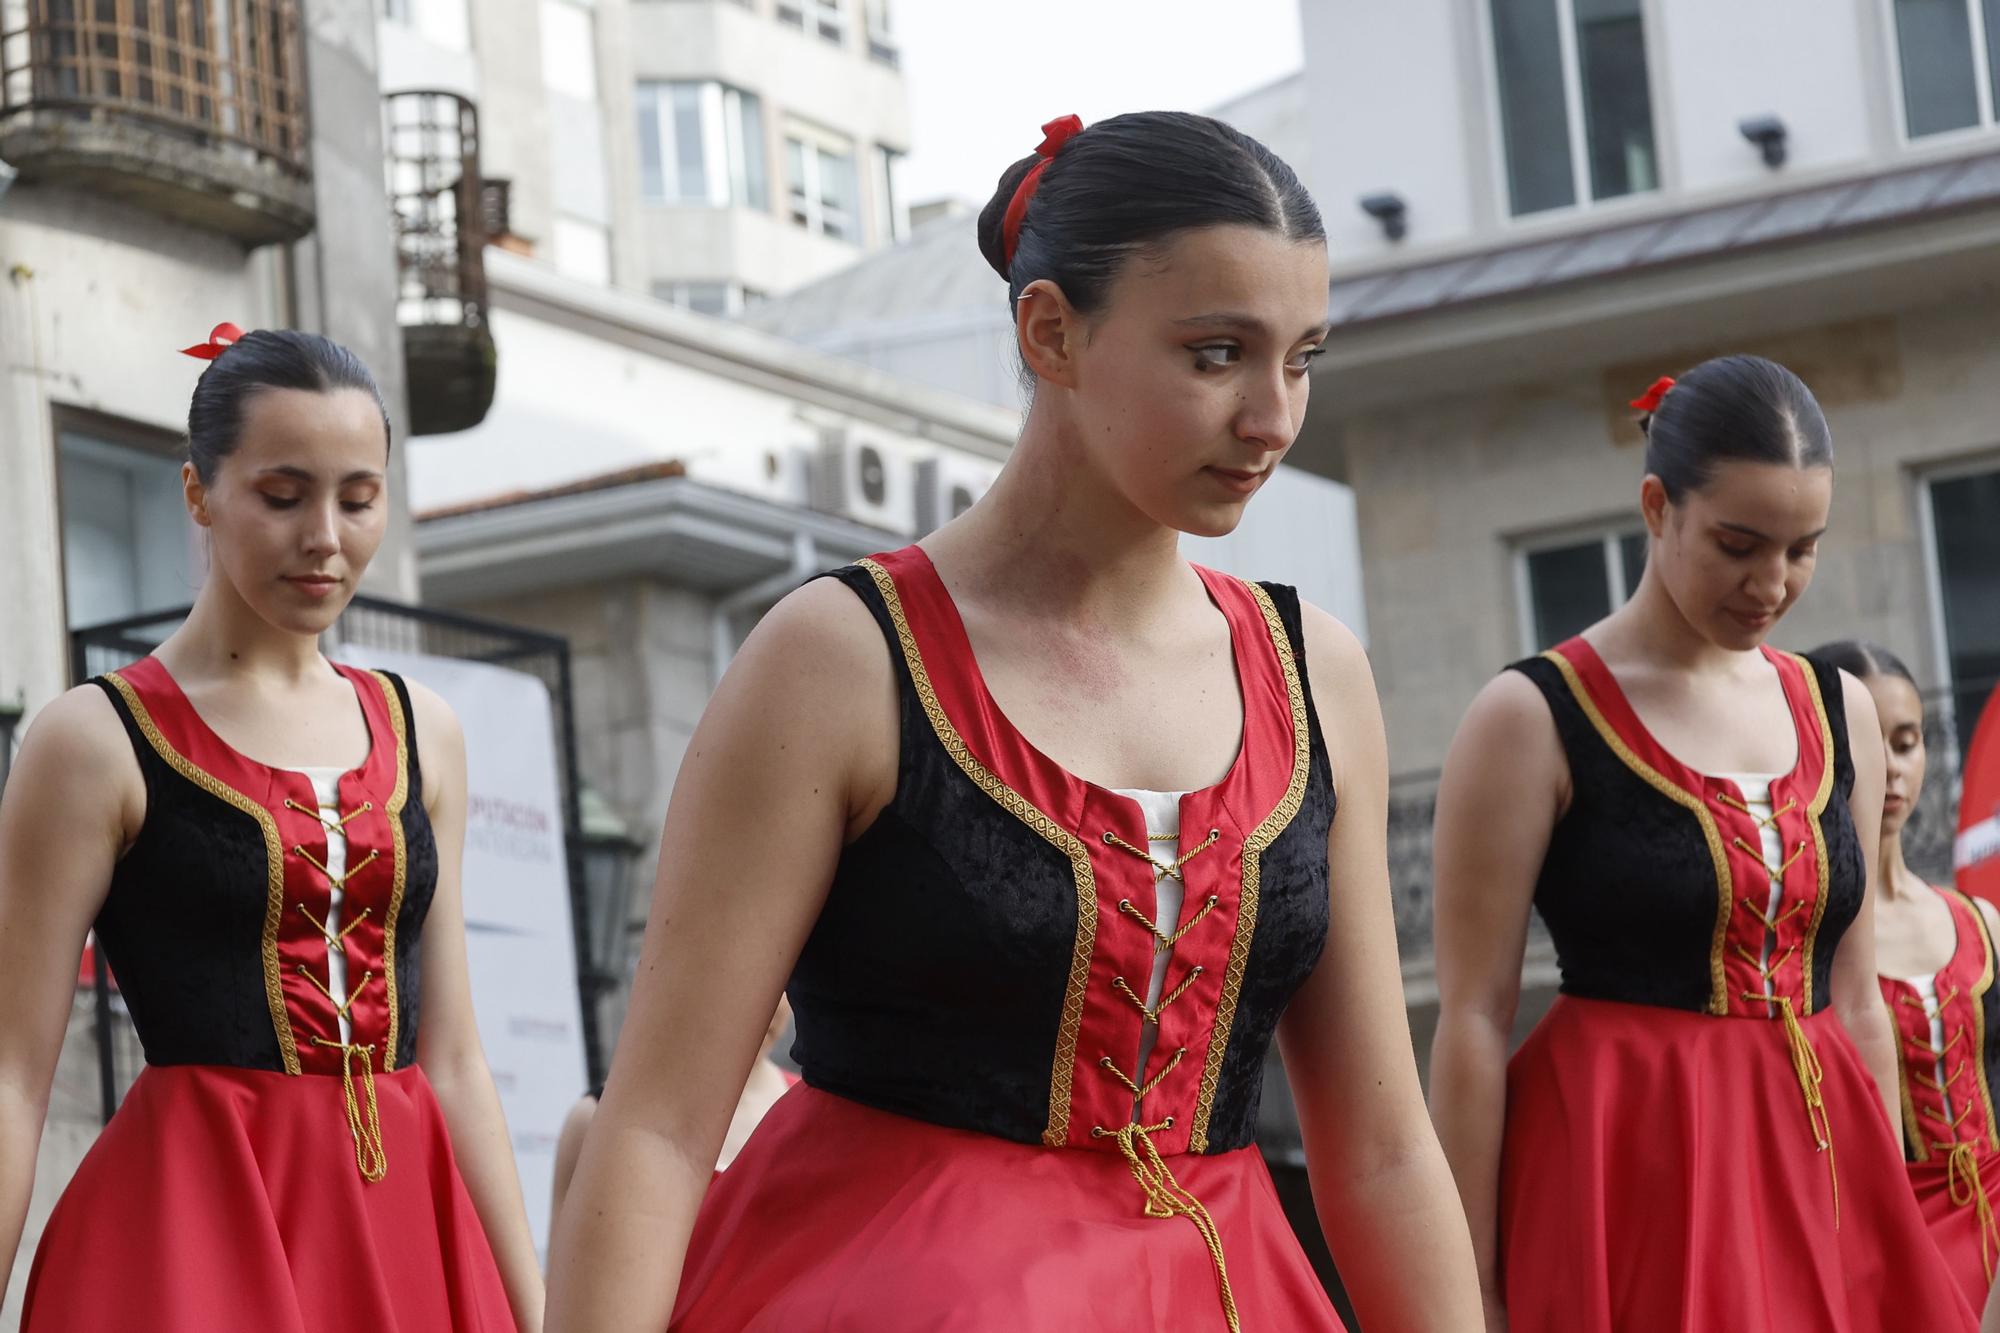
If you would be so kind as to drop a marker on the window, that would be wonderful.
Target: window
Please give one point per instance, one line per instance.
(821, 16)
(1965, 547)
(569, 52)
(820, 183)
(881, 33)
(1576, 106)
(1568, 586)
(702, 143)
(892, 205)
(1949, 54)
(128, 547)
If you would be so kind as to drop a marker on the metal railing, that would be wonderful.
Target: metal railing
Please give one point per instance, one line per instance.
(228, 71)
(437, 195)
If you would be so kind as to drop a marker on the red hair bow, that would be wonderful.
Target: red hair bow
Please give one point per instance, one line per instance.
(1649, 401)
(220, 339)
(1055, 134)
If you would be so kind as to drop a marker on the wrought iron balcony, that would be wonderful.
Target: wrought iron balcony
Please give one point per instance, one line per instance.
(192, 108)
(440, 205)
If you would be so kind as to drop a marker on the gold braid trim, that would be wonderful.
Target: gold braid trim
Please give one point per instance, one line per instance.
(1980, 1079)
(1062, 1075)
(1725, 887)
(274, 860)
(1253, 869)
(400, 856)
(1814, 810)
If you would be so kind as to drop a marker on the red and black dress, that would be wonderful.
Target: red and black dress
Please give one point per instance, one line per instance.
(281, 1163)
(1693, 1141)
(1947, 1053)
(976, 1146)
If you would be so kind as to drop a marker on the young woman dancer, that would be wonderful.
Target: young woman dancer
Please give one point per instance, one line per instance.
(1934, 949)
(271, 870)
(1038, 820)
(1700, 1134)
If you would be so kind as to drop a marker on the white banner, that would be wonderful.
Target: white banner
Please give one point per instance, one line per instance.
(517, 909)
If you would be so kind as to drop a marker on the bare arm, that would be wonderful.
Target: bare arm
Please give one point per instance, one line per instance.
(1505, 784)
(1857, 995)
(569, 1147)
(1382, 1187)
(791, 759)
(448, 1046)
(72, 802)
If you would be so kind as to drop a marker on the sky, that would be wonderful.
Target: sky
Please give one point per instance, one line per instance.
(983, 77)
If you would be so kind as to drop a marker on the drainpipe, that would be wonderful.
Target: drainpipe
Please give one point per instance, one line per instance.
(722, 622)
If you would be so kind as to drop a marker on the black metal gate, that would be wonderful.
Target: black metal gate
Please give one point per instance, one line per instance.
(376, 622)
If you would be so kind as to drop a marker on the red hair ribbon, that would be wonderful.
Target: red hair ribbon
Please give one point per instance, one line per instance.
(1649, 401)
(1055, 134)
(220, 339)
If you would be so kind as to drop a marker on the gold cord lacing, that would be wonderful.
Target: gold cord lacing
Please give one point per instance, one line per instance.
(1165, 1196)
(369, 1157)
(1962, 1179)
(1806, 1068)
(366, 1128)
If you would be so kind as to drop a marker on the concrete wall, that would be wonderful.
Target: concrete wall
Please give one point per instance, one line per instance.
(1447, 488)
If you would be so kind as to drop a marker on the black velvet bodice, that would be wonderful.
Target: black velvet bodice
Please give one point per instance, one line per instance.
(950, 976)
(1654, 885)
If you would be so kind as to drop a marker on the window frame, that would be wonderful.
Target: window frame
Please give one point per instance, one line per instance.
(119, 433)
(891, 202)
(816, 144)
(1608, 533)
(1576, 123)
(726, 173)
(1976, 465)
(1982, 80)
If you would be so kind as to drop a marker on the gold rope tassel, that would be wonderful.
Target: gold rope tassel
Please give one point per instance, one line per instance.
(1962, 1178)
(369, 1156)
(1806, 1067)
(1165, 1198)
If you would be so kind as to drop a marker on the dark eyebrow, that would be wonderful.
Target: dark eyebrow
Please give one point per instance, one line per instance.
(1752, 532)
(1249, 324)
(301, 474)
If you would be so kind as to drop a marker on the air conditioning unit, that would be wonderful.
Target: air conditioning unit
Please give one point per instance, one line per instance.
(947, 486)
(859, 479)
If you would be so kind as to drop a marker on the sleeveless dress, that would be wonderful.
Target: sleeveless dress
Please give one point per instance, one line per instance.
(281, 1163)
(1947, 1054)
(975, 1146)
(1693, 1142)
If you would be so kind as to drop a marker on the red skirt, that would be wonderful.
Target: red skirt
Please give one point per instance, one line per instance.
(1955, 1226)
(843, 1219)
(1660, 1176)
(225, 1198)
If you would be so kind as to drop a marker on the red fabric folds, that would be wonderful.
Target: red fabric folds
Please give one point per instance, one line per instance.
(843, 1219)
(227, 1199)
(1659, 1176)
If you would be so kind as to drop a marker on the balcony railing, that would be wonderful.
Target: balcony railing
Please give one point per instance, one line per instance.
(192, 107)
(440, 205)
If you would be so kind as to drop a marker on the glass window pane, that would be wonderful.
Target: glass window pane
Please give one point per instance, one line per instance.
(1993, 49)
(1617, 97)
(1934, 42)
(1568, 589)
(652, 164)
(1632, 549)
(795, 182)
(128, 546)
(690, 162)
(1534, 121)
(1968, 553)
(837, 194)
(754, 184)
